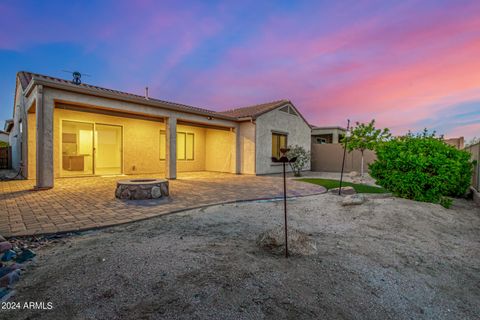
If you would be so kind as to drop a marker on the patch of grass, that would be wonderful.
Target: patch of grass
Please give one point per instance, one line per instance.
(330, 184)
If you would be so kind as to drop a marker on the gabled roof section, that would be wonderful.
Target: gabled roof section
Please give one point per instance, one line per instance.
(25, 78)
(254, 111)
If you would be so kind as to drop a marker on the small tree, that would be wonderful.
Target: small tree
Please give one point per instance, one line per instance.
(365, 137)
(3, 144)
(422, 167)
(303, 157)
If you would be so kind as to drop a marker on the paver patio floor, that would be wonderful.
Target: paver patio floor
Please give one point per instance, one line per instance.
(89, 202)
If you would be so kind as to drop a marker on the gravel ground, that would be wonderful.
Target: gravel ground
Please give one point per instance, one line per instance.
(386, 259)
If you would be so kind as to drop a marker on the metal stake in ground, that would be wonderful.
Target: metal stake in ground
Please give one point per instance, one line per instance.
(344, 152)
(284, 160)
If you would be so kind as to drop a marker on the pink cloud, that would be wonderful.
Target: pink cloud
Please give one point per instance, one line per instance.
(399, 73)
(469, 131)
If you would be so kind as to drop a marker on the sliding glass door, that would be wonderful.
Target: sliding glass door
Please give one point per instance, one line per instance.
(77, 148)
(108, 149)
(86, 153)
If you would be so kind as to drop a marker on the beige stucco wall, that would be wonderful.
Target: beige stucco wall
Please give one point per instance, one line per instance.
(16, 137)
(299, 133)
(141, 142)
(247, 147)
(220, 150)
(32, 133)
(329, 157)
(474, 150)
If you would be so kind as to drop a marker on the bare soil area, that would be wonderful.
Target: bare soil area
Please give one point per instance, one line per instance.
(388, 258)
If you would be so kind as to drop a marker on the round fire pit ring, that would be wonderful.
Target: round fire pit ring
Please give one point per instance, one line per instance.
(142, 189)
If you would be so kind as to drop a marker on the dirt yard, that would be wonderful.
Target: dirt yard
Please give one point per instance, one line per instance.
(386, 259)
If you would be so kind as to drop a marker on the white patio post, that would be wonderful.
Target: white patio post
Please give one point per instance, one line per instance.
(44, 143)
(171, 145)
(335, 137)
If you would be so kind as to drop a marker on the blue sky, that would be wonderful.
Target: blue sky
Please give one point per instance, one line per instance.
(409, 64)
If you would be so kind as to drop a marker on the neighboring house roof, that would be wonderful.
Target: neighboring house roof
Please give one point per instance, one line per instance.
(8, 126)
(328, 128)
(236, 114)
(458, 143)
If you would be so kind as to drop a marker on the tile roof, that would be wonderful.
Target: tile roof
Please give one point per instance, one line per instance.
(254, 111)
(326, 128)
(26, 77)
(233, 114)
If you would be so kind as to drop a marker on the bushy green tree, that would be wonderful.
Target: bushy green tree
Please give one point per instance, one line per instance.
(3, 144)
(365, 137)
(303, 158)
(422, 167)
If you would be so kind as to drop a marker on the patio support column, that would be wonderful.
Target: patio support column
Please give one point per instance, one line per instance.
(44, 141)
(238, 154)
(335, 137)
(171, 144)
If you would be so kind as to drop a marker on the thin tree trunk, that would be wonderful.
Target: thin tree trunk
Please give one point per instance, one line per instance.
(361, 174)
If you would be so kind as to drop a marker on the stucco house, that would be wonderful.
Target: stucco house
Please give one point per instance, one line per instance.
(323, 135)
(64, 129)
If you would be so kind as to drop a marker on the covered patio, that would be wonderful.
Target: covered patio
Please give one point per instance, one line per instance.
(89, 202)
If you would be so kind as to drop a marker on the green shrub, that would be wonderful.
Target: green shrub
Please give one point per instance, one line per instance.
(303, 158)
(422, 167)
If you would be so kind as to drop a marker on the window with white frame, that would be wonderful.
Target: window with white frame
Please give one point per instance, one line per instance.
(185, 145)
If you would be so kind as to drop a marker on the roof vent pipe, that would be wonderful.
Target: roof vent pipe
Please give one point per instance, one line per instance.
(146, 93)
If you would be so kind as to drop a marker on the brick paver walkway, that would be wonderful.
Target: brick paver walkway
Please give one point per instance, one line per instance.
(85, 203)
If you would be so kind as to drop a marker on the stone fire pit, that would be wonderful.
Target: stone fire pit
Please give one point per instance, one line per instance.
(141, 189)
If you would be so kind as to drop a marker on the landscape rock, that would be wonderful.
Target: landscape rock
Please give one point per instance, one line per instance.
(164, 189)
(345, 191)
(156, 192)
(10, 268)
(9, 255)
(5, 246)
(140, 194)
(299, 242)
(125, 194)
(26, 255)
(10, 278)
(355, 199)
(118, 193)
(6, 293)
(353, 174)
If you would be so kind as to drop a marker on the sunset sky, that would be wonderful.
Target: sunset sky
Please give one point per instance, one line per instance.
(408, 64)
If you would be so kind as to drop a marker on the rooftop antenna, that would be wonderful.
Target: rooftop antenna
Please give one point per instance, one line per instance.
(76, 76)
(146, 93)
